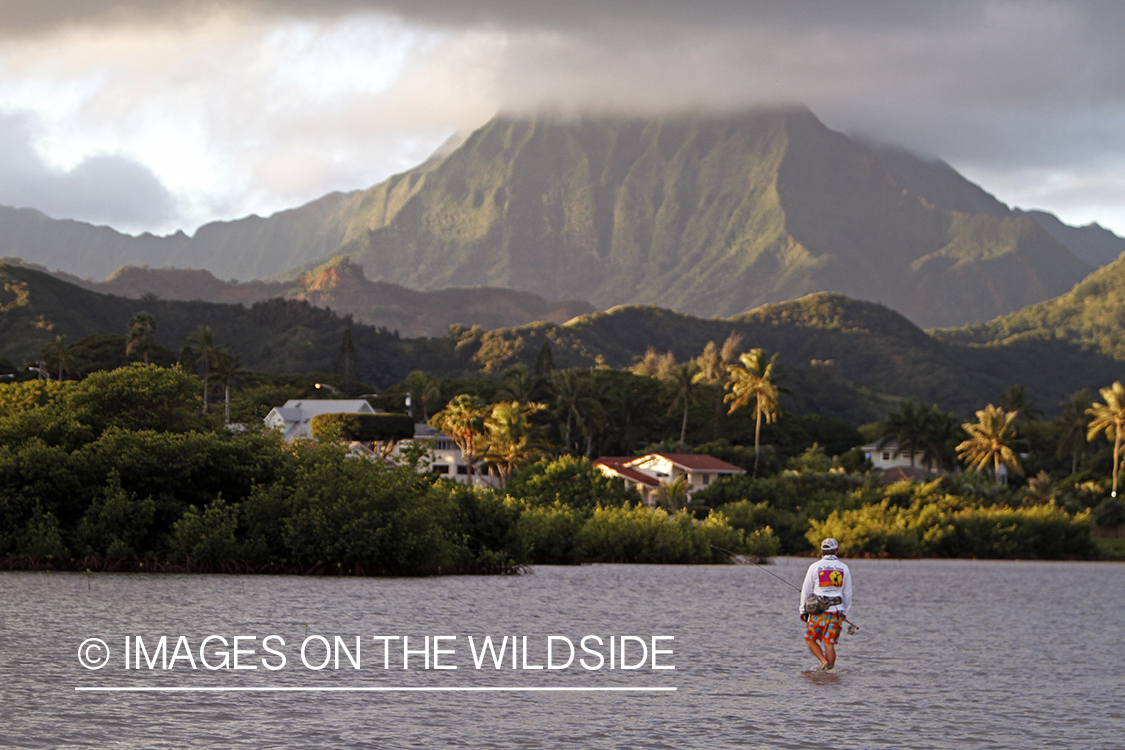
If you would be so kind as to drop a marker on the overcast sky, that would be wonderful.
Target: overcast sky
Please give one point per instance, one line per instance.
(157, 116)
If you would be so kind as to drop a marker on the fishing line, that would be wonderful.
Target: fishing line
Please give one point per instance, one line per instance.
(741, 560)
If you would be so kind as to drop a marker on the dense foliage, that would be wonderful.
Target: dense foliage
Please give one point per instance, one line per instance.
(122, 468)
(366, 428)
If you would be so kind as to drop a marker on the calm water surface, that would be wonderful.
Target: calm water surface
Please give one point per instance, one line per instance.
(950, 654)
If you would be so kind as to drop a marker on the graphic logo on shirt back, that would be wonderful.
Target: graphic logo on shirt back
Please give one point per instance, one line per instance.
(830, 577)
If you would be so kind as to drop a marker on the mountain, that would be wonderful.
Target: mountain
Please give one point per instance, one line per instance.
(841, 358)
(249, 248)
(340, 285)
(707, 215)
(1092, 243)
(1092, 315)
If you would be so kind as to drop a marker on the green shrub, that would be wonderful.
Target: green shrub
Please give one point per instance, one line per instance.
(117, 524)
(638, 534)
(31, 394)
(574, 482)
(366, 428)
(207, 535)
(138, 397)
(549, 533)
(762, 543)
(948, 527)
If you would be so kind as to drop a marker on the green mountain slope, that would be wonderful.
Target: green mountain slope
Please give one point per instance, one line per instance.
(843, 358)
(1091, 315)
(249, 248)
(340, 285)
(708, 215)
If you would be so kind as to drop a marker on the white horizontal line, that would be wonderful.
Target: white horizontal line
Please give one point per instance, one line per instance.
(374, 689)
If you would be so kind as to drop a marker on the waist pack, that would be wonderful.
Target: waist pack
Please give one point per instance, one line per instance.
(816, 605)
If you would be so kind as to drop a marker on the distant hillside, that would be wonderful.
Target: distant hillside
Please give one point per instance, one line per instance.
(1094, 244)
(711, 215)
(249, 248)
(1091, 315)
(842, 358)
(341, 286)
(708, 215)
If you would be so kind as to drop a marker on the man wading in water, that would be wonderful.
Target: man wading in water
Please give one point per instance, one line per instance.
(826, 598)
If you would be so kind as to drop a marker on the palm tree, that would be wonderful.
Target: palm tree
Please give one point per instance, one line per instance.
(57, 354)
(754, 378)
(228, 373)
(679, 387)
(200, 349)
(142, 328)
(1110, 419)
(463, 421)
(907, 428)
(511, 441)
(625, 408)
(990, 441)
(572, 402)
(942, 435)
(1014, 398)
(520, 384)
(424, 390)
(713, 363)
(1074, 422)
(654, 365)
(673, 495)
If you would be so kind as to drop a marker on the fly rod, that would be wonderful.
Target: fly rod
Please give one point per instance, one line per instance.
(740, 560)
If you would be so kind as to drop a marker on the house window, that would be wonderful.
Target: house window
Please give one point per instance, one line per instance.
(706, 479)
(462, 469)
(441, 468)
(886, 455)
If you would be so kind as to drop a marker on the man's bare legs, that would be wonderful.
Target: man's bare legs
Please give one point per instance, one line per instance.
(826, 656)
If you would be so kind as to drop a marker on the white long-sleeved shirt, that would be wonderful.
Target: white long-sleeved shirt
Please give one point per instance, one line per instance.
(828, 577)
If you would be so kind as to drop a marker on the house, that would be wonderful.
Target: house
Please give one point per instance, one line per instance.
(294, 417)
(889, 456)
(650, 471)
(614, 466)
(446, 458)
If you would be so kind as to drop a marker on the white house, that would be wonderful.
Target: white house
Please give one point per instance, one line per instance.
(446, 456)
(615, 466)
(294, 417)
(648, 472)
(889, 456)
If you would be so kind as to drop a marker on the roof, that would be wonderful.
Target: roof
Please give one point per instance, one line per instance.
(310, 407)
(692, 462)
(423, 431)
(617, 465)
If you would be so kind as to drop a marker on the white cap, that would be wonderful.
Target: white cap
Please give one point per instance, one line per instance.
(829, 545)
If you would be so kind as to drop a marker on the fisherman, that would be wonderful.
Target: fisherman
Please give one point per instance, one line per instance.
(826, 599)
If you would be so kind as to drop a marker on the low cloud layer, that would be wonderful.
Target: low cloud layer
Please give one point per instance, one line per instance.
(277, 102)
(104, 189)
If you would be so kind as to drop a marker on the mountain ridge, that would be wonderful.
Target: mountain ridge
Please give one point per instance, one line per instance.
(340, 285)
(712, 215)
(845, 358)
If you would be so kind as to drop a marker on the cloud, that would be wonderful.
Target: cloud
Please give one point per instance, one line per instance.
(270, 103)
(102, 189)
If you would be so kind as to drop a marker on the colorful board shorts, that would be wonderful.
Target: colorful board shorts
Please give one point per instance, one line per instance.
(824, 627)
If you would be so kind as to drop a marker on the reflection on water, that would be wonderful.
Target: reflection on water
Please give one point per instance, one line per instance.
(950, 654)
